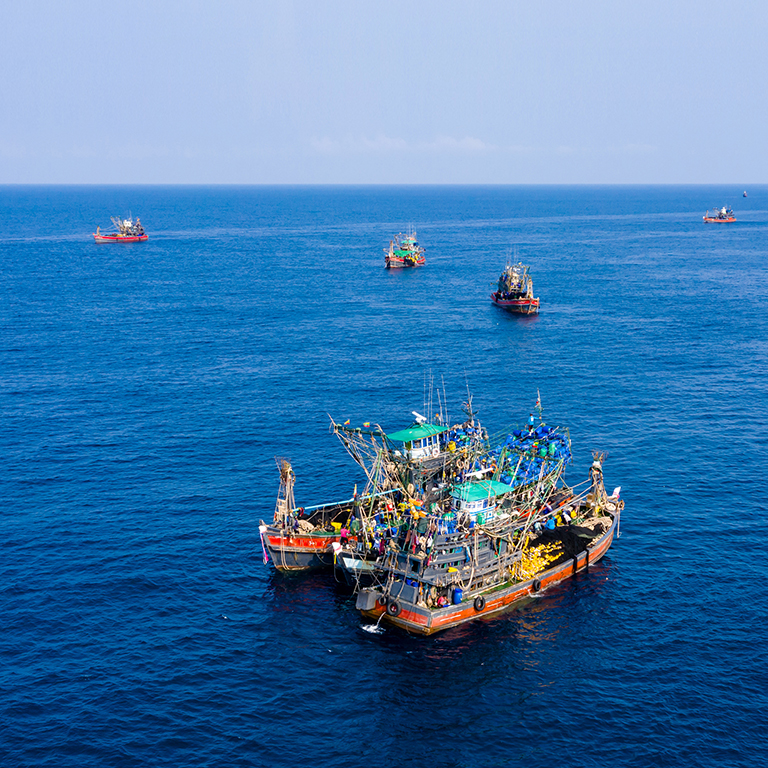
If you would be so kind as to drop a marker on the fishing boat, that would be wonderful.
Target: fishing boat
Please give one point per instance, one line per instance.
(127, 231)
(479, 531)
(744, 194)
(494, 548)
(418, 457)
(413, 464)
(404, 251)
(514, 291)
(303, 538)
(719, 216)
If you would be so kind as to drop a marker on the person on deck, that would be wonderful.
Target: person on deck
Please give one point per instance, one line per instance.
(530, 423)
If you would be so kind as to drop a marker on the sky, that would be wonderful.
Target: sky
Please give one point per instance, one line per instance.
(356, 92)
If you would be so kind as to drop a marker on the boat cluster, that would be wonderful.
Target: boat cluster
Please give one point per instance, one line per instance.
(453, 524)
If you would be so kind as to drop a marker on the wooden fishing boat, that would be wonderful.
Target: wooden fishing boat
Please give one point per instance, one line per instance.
(514, 291)
(128, 231)
(404, 251)
(472, 569)
(411, 463)
(303, 538)
(719, 216)
(414, 458)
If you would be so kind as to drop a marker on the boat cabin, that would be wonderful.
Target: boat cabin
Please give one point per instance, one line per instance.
(420, 440)
(478, 500)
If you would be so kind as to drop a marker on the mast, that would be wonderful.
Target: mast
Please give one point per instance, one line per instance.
(285, 501)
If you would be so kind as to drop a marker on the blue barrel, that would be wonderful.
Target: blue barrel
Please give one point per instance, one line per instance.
(457, 595)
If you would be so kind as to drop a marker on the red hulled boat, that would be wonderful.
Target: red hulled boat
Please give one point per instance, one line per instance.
(719, 216)
(128, 231)
(308, 538)
(515, 291)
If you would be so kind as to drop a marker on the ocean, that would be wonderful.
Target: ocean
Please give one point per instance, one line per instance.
(146, 389)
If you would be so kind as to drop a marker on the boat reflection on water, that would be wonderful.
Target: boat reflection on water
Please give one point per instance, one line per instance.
(288, 591)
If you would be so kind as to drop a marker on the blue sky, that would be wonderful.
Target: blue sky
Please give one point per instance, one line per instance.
(398, 92)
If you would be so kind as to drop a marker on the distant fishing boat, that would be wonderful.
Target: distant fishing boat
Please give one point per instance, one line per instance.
(128, 231)
(719, 216)
(745, 193)
(514, 291)
(404, 251)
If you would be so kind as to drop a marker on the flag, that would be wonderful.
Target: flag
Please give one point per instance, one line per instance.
(346, 422)
(367, 424)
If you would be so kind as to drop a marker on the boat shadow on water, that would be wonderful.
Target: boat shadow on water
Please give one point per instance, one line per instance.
(512, 318)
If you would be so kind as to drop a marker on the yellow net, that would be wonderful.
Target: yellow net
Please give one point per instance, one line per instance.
(535, 560)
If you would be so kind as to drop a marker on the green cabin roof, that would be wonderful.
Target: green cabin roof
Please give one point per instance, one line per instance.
(416, 432)
(475, 490)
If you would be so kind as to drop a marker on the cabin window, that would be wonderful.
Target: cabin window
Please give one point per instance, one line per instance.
(417, 443)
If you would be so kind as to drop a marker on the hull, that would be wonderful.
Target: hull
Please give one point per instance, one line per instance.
(420, 620)
(355, 570)
(120, 238)
(715, 220)
(300, 552)
(524, 306)
(395, 263)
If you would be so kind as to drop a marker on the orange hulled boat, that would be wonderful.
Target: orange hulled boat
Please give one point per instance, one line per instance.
(719, 216)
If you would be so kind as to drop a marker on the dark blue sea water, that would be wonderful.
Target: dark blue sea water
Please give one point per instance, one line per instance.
(146, 389)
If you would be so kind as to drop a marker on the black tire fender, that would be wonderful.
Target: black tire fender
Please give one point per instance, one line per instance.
(536, 585)
(393, 609)
(479, 603)
(382, 601)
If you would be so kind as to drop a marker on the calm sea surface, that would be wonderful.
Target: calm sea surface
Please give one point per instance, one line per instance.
(146, 389)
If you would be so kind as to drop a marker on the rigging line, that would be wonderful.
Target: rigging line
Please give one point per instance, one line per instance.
(445, 401)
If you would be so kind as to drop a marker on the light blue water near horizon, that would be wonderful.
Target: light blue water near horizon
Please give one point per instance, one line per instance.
(146, 389)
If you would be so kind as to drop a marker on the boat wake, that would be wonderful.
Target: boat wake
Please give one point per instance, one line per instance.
(374, 629)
